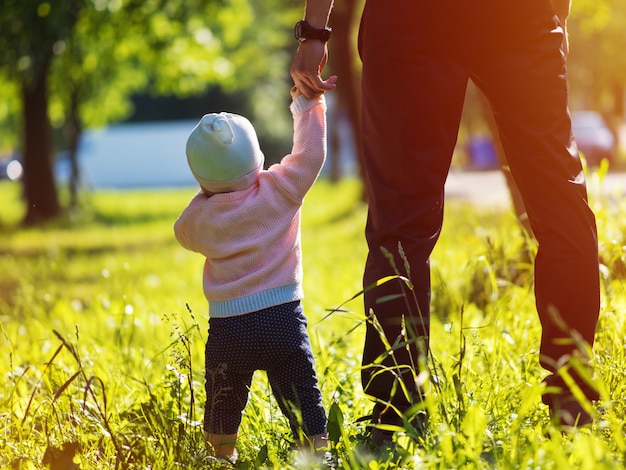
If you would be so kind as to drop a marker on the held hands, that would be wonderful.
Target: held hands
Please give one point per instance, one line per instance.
(294, 92)
(308, 63)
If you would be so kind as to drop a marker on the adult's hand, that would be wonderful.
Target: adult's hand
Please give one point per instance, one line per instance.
(307, 66)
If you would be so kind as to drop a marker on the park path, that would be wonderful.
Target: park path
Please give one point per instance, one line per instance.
(488, 188)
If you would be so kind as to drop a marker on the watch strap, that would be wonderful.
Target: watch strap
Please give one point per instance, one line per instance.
(303, 31)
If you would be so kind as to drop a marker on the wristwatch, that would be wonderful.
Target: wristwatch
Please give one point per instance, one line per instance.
(303, 31)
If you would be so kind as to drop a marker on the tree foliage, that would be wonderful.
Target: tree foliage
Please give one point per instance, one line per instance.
(81, 60)
(597, 63)
(74, 64)
(30, 33)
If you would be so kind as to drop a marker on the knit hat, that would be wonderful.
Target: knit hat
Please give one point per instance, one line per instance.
(223, 153)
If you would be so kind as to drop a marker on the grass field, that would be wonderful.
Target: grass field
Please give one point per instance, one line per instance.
(103, 323)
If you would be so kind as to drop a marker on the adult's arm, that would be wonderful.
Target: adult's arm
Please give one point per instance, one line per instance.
(311, 56)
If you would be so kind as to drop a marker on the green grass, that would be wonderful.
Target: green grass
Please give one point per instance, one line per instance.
(103, 322)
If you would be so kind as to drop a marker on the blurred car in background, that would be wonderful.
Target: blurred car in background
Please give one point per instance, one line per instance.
(11, 169)
(594, 138)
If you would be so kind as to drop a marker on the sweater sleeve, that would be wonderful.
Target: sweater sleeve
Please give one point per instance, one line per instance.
(186, 228)
(298, 170)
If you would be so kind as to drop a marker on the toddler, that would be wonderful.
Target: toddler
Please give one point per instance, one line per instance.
(246, 222)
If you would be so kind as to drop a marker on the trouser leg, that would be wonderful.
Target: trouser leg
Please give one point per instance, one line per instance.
(524, 76)
(290, 367)
(413, 92)
(228, 377)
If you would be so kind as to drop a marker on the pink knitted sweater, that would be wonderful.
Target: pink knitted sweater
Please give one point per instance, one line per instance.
(251, 238)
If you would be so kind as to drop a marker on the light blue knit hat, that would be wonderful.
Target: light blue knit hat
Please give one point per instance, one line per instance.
(223, 153)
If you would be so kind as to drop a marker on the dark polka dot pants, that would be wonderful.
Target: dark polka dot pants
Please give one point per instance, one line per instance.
(274, 340)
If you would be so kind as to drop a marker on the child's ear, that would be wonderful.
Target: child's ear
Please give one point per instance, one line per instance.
(223, 131)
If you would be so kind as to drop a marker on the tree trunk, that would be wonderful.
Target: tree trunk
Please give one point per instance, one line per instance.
(342, 57)
(42, 202)
(617, 116)
(73, 130)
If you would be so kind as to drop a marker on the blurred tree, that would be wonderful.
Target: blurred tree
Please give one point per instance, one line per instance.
(95, 70)
(78, 61)
(344, 60)
(30, 32)
(597, 63)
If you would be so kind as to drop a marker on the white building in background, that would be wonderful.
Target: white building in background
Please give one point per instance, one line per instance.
(152, 154)
(134, 155)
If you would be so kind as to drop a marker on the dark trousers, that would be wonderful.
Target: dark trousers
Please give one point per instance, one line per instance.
(418, 56)
(275, 340)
